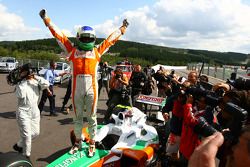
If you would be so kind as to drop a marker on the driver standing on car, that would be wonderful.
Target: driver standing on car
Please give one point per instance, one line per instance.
(84, 58)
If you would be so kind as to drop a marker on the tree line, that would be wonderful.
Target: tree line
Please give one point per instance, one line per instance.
(47, 49)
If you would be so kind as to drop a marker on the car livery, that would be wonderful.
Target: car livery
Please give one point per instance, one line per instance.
(127, 141)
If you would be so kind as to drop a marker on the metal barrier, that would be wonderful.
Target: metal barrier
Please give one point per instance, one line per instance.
(225, 72)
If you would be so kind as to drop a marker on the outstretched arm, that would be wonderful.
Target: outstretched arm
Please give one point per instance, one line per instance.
(113, 38)
(63, 40)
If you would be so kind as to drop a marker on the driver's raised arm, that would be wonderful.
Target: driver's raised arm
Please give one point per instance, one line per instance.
(62, 39)
(112, 39)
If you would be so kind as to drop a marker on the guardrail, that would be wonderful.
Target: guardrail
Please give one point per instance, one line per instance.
(224, 73)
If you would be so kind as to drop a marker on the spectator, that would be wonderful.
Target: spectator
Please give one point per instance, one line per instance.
(149, 71)
(137, 81)
(117, 85)
(67, 97)
(193, 78)
(162, 85)
(27, 115)
(49, 75)
(205, 154)
(191, 113)
(105, 72)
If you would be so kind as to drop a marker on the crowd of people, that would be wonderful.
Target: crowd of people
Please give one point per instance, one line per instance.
(201, 122)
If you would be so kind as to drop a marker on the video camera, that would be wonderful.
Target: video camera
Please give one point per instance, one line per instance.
(14, 76)
(240, 83)
(117, 76)
(236, 119)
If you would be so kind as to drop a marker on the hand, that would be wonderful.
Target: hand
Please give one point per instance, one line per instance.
(225, 86)
(42, 13)
(125, 23)
(124, 26)
(190, 99)
(204, 154)
(49, 92)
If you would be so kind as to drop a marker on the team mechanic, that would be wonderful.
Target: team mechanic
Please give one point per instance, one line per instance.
(84, 59)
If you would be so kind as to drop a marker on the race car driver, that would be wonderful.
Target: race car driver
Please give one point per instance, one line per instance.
(84, 59)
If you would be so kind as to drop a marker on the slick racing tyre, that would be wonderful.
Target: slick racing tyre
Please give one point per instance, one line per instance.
(13, 159)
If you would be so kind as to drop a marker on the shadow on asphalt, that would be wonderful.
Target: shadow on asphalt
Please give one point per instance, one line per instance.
(8, 115)
(101, 112)
(4, 93)
(54, 156)
(66, 121)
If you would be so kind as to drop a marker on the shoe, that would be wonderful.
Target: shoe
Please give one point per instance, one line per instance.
(53, 114)
(17, 148)
(91, 151)
(77, 146)
(63, 108)
(67, 111)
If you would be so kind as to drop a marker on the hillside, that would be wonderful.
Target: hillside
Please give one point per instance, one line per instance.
(144, 53)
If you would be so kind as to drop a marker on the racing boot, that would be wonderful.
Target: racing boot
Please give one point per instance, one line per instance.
(91, 151)
(77, 146)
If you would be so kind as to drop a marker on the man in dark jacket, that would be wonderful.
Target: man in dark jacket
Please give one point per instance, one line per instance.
(137, 81)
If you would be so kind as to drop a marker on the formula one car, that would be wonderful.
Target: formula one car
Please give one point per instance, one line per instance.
(126, 141)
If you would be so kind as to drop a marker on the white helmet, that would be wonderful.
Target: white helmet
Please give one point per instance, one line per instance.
(86, 31)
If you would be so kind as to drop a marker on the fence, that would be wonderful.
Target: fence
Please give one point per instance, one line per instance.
(35, 63)
(224, 73)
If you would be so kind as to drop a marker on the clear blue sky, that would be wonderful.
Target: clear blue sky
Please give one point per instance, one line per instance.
(220, 25)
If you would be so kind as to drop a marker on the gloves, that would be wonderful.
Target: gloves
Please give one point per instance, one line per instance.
(42, 13)
(125, 23)
(124, 26)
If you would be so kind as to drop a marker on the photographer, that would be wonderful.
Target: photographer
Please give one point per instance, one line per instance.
(160, 77)
(238, 84)
(28, 115)
(175, 104)
(233, 116)
(117, 85)
(205, 154)
(137, 81)
(195, 108)
(105, 72)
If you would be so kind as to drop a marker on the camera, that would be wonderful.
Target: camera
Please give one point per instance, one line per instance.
(14, 76)
(236, 119)
(117, 76)
(240, 83)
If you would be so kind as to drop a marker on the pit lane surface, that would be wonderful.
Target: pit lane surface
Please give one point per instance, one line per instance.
(54, 136)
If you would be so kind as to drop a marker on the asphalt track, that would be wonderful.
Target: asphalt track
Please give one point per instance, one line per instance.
(54, 135)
